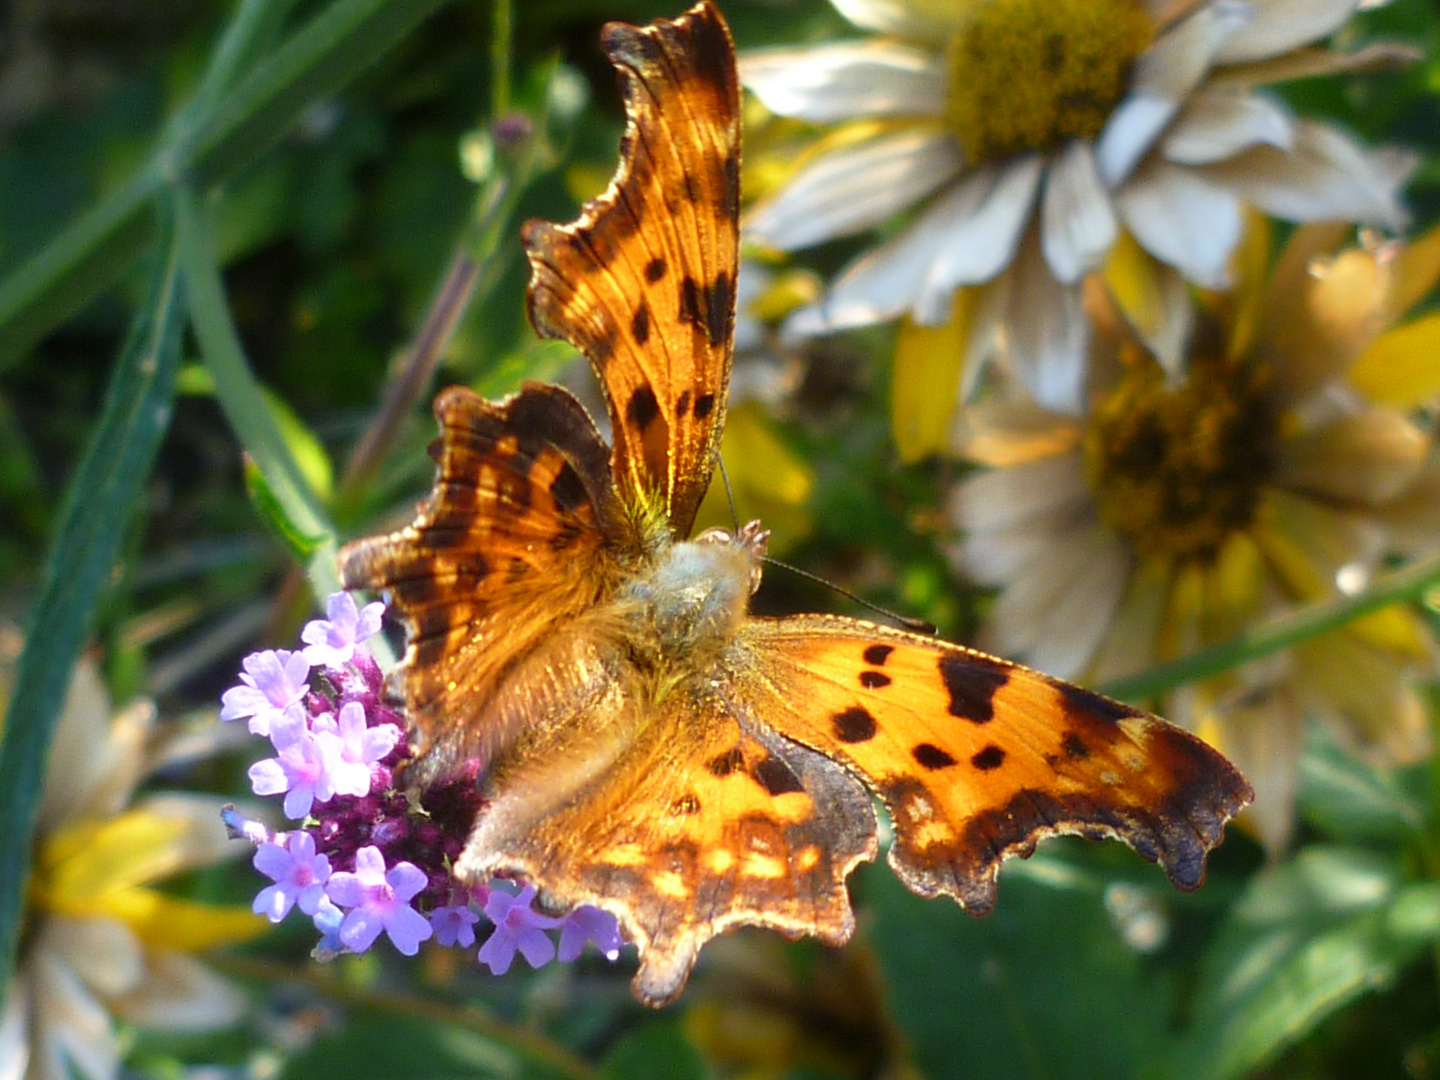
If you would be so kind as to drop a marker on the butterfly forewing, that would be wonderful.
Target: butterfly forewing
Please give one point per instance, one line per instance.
(644, 282)
(510, 545)
(977, 758)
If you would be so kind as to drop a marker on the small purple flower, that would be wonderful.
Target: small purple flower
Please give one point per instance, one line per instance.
(360, 747)
(303, 768)
(274, 684)
(454, 925)
(589, 924)
(328, 919)
(518, 928)
(380, 900)
(298, 872)
(239, 827)
(332, 641)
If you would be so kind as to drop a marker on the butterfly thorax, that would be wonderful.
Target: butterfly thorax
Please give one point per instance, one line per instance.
(693, 599)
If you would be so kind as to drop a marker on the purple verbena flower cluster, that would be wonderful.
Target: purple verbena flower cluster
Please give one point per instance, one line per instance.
(365, 858)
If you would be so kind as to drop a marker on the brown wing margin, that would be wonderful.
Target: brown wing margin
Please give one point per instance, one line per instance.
(643, 282)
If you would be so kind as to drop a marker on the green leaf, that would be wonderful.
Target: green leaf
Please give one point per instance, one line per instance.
(1309, 936)
(658, 1051)
(216, 134)
(97, 512)
(285, 497)
(1356, 802)
(1043, 987)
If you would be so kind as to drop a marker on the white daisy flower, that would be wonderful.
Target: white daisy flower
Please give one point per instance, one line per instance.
(1176, 513)
(1031, 135)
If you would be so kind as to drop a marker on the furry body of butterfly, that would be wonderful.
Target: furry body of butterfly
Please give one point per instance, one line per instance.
(642, 743)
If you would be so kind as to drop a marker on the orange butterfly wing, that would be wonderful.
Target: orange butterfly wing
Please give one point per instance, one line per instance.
(510, 547)
(977, 758)
(684, 822)
(644, 282)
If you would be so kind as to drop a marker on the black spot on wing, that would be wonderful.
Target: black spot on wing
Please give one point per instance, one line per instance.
(690, 302)
(683, 405)
(685, 805)
(567, 489)
(726, 763)
(854, 725)
(640, 324)
(643, 408)
(878, 654)
(874, 680)
(655, 270)
(776, 777)
(972, 683)
(719, 301)
(930, 756)
(1094, 706)
(992, 757)
(704, 404)
(1074, 746)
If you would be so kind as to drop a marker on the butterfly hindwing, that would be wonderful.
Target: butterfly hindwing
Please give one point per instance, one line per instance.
(686, 823)
(643, 282)
(977, 758)
(511, 544)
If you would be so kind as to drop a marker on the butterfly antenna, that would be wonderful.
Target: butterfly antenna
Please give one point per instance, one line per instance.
(918, 626)
(729, 494)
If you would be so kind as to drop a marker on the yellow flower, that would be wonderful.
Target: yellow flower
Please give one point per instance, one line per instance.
(1175, 513)
(1036, 135)
(99, 942)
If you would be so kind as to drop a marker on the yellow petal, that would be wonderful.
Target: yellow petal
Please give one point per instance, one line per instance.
(1316, 331)
(1249, 263)
(1401, 368)
(925, 380)
(1417, 270)
(81, 862)
(1130, 274)
(168, 922)
(770, 480)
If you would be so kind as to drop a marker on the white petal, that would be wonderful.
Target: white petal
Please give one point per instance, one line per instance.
(1326, 175)
(1168, 338)
(852, 189)
(1004, 555)
(1046, 331)
(182, 994)
(14, 1028)
(1164, 77)
(1217, 124)
(847, 80)
(913, 19)
(999, 499)
(1076, 622)
(1077, 223)
(198, 836)
(887, 281)
(73, 1034)
(982, 242)
(1282, 25)
(1368, 457)
(1182, 219)
(1180, 58)
(105, 953)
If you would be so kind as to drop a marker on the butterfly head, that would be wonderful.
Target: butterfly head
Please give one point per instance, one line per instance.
(695, 596)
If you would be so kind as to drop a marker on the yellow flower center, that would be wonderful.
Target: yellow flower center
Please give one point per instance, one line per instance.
(1031, 74)
(1178, 469)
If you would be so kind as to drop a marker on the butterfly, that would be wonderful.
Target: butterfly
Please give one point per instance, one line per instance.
(645, 745)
